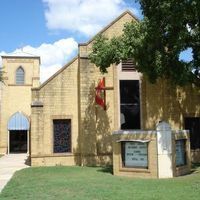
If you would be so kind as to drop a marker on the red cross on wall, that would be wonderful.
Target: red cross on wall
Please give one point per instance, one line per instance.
(100, 97)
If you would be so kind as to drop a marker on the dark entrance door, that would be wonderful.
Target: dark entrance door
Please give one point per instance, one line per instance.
(18, 141)
(193, 124)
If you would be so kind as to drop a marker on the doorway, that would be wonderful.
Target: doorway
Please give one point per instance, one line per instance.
(18, 133)
(193, 125)
(18, 141)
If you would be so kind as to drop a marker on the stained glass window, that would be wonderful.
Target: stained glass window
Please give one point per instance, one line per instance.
(62, 135)
(20, 76)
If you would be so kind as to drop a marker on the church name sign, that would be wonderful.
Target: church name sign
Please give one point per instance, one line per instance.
(135, 154)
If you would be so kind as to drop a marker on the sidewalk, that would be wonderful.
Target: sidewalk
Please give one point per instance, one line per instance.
(9, 164)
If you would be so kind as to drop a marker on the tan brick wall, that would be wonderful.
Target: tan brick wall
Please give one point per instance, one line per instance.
(59, 96)
(96, 124)
(163, 101)
(14, 97)
(47, 160)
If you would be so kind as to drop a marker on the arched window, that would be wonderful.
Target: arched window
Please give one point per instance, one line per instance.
(20, 76)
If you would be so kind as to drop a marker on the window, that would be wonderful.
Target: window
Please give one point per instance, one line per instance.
(129, 104)
(135, 154)
(62, 135)
(20, 76)
(180, 152)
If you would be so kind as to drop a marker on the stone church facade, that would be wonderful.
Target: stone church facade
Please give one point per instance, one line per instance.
(21, 74)
(67, 127)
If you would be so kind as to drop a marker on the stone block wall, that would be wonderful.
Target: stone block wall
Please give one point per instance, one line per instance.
(165, 102)
(97, 124)
(55, 99)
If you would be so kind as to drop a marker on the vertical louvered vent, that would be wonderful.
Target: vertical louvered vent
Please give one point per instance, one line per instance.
(128, 65)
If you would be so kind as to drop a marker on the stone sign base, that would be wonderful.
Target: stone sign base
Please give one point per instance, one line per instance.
(160, 153)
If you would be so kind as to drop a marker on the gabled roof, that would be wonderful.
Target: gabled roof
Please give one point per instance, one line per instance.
(56, 74)
(20, 54)
(109, 25)
(103, 30)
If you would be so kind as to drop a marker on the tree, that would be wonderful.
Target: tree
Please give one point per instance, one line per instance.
(155, 43)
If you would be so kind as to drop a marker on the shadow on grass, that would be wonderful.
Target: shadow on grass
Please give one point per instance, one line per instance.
(106, 169)
(195, 168)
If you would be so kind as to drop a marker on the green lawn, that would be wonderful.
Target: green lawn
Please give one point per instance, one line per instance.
(85, 183)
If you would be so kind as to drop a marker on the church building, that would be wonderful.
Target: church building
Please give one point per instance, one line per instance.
(70, 118)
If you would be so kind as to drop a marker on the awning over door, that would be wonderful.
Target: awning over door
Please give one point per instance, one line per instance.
(18, 121)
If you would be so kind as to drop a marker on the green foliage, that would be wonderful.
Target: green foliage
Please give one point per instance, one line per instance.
(106, 52)
(168, 28)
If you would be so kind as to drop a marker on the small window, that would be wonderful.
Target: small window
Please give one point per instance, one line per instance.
(135, 154)
(62, 135)
(20, 76)
(180, 152)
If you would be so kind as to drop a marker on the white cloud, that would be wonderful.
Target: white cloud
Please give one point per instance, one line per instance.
(46, 72)
(84, 16)
(53, 56)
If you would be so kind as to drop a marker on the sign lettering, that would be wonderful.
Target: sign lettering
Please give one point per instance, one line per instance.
(136, 154)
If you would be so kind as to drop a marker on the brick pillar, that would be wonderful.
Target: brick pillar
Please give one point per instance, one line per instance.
(164, 146)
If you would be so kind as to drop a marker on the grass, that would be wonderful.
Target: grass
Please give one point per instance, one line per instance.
(94, 183)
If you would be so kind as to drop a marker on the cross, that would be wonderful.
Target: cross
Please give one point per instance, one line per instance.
(104, 91)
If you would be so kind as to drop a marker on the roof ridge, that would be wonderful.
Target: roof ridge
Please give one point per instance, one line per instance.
(109, 25)
(19, 53)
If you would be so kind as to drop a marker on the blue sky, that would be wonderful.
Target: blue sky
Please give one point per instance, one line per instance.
(52, 29)
(23, 22)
